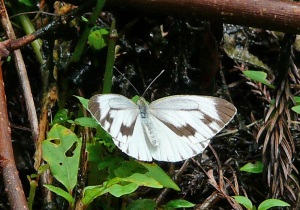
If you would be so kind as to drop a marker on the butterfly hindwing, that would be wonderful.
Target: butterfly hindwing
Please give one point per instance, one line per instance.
(172, 147)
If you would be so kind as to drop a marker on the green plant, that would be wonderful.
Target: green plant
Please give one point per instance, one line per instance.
(297, 107)
(267, 204)
(258, 76)
(257, 167)
(118, 177)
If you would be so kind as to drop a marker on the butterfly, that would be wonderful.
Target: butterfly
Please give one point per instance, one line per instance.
(171, 129)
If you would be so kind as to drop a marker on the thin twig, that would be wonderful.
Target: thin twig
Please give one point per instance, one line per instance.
(237, 130)
(162, 195)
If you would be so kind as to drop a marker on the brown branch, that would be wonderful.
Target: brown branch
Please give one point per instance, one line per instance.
(20, 66)
(9, 45)
(46, 178)
(8, 168)
(280, 15)
(51, 29)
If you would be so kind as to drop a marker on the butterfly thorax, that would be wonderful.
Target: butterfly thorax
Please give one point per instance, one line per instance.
(143, 107)
(147, 122)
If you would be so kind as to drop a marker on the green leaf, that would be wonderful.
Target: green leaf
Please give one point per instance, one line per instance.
(113, 187)
(60, 117)
(105, 139)
(119, 186)
(87, 122)
(135, 98)
(84, 19)
(269, 203)
(297, 99)
(92, 192)
(244, 201)
(137, 179)
(241, 54)
(83, 101)
(296, 109)
(127, 168)
(110, 162)
(42, 168)
(258, 76)
(159, 175)
(61, 151)
(142, 204)
(142, 180)
(118, 167)
(179, 203)
(95, 151)
(118, 190)
(98, 38)
(60, 192)
(257, 167)
(28, 2)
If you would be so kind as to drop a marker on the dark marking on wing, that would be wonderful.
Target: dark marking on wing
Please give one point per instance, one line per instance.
(186, 130)
(127, 130)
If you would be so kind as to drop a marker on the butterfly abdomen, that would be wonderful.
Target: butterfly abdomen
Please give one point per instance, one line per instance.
(149, 130)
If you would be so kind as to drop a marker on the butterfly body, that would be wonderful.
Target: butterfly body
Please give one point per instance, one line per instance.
(147, 124)
(169, 129)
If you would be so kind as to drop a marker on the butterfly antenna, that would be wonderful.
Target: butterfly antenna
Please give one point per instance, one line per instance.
(127, 80)
(153, 81)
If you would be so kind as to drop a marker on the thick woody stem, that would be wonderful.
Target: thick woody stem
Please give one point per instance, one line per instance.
(8, 168)
(280, 15)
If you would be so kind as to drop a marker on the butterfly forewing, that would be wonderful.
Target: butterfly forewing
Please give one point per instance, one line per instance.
(119, 116)
(115, 113)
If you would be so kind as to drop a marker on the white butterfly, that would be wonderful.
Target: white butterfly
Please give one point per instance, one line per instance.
(169, 129)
